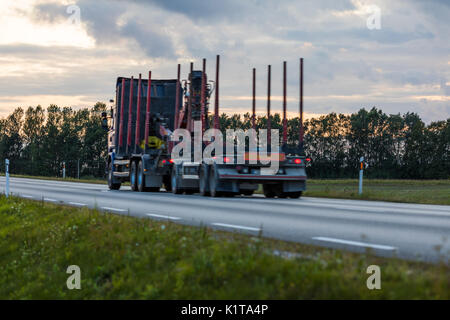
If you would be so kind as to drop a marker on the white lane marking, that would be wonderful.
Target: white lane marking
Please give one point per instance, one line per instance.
(162, 216)
(235, 226)
(26, 196)
(326, 204)
(355, 243)
(114, 209)
(51, 200)
(78, 204)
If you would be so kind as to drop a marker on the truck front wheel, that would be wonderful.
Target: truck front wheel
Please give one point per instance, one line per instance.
(140, 177)
(111, 183)
(133, 176)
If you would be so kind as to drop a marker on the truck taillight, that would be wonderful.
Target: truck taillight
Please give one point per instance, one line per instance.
(226, 159)
(298, 161)
(308, 159)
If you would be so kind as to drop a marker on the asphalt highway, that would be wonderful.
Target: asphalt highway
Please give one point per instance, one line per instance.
(408, 231)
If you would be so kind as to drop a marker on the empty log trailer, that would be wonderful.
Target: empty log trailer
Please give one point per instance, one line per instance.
(140, 150)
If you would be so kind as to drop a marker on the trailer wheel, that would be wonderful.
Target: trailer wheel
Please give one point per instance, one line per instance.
(111, 184)
(269, 191)
(167, 183)
(203, 181)
(295, 195)
(175, 182)
(133, 176)
(213, 184)
(140, 177)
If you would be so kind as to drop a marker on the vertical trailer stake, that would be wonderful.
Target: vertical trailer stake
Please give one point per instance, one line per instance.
(137, 135)
(254, 101)
(130, 113)
(269, 120)
(177, 98)
(301, 107)
(147, 112)
(189, 118)
(284, 105)
(216, 103)
(203, 107)
(121, 115)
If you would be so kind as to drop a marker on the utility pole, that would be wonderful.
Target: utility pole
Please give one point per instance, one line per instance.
(7, 177)
(361, 170)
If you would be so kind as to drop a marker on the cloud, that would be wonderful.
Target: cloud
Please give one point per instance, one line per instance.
(347, 66)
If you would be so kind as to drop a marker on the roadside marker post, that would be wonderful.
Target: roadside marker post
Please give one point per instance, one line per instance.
(7, 177)
(64, 170)
(361, 170)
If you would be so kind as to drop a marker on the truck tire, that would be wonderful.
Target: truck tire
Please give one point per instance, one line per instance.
(213, 184)
(203, 181)
(167, 181)
(140, 181)
(295, 195)
(175, 182)
(111, 184)
(247, 192)
(133, 176)
(269, 191)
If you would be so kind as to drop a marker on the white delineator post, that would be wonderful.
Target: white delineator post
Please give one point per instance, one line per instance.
(361, 169)
(7, 177)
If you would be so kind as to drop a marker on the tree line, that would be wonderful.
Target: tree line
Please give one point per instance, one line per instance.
(40, 142)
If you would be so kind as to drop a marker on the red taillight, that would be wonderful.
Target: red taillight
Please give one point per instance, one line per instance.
(298, 161)
(308, 159)
(226, 159)
(171, 160)
(164, 161)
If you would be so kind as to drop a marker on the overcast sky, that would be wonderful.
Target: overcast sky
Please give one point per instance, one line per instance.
(51, 52)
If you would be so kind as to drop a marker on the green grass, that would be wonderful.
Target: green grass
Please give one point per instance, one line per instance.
(123, 257)
(411, 191)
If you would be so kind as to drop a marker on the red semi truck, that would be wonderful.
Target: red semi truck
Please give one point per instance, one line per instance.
(141, 127)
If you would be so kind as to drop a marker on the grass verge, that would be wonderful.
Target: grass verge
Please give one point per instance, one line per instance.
(123, 257)
(409, 191)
